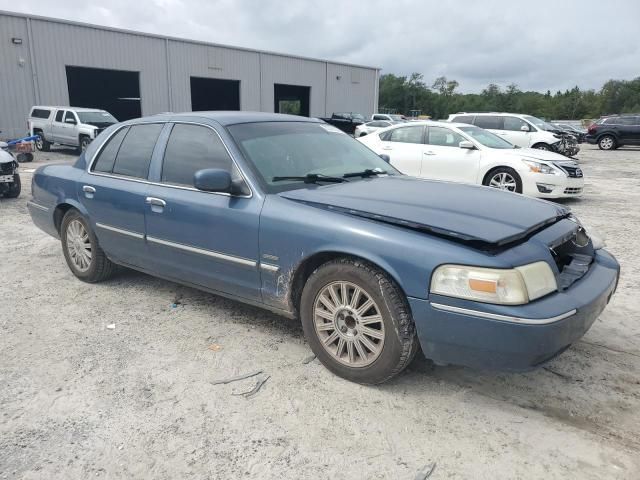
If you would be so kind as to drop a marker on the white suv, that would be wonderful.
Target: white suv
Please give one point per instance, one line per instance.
(522, 130)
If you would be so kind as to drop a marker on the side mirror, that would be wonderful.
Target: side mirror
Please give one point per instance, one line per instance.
(213, 180)
(524, 128)
(70, 121)
(467, 144)
(386, 158)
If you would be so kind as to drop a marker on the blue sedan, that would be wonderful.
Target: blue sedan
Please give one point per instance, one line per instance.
(294, 216)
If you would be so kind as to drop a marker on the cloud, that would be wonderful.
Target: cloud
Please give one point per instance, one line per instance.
(539, 46)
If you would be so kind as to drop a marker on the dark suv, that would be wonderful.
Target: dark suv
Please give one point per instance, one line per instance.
(615, 131)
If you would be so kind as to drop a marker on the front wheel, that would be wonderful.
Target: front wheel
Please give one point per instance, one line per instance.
(85, 258)
(357, 321)
(607, 142)
(504, 178)
(543, 146)
(84, 144)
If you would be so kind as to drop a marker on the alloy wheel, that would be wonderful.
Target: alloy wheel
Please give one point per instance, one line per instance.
(503, 181)
(79, 245)
(606, 143)
(349, 324)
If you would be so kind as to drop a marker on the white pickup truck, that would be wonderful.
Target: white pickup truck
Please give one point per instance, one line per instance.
(72, 126)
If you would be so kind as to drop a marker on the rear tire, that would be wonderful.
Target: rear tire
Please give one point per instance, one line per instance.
(361, 343)
(15, 189)
(81, 250)
(607, 142)
(42, 143)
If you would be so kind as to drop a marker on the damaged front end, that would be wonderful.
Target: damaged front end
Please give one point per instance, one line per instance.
(567, 144)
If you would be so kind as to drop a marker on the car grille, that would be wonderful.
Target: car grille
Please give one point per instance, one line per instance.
(572, 170)
(7, 167)
(572, 190)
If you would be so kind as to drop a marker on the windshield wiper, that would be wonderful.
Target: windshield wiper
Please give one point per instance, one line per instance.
(311, 178)
(369, 172)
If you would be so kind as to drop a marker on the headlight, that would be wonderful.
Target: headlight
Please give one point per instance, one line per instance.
(491, 285)
(538, 167)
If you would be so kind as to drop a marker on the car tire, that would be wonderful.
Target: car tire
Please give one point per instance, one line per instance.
(543, 146)
(24, 157)
(607, 142)
(15, 189)
(502, 178)
(84, 144)
(78, 240)
(363, 134)
(367, 353)
(42, 144)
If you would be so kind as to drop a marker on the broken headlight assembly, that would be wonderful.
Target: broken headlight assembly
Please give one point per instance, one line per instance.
(538, 167)
(515, 286)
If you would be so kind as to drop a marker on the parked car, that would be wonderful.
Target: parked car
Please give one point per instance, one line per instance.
(71, 126)
(464, 153)
(389, 117)
(367, 128)
(9, 178)
(579, 133)
(347, 122)
(522, 130)
(615, 131)
(292, 215)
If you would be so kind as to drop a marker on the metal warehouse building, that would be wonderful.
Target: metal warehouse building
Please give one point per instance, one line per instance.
(45, 61)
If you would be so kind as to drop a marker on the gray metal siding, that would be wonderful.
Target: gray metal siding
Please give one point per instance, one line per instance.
(16, 82)
(165, 66)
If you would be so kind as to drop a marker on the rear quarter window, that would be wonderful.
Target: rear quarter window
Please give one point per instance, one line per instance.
(40, 113)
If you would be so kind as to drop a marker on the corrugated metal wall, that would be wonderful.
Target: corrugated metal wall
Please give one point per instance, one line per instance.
(165, 67)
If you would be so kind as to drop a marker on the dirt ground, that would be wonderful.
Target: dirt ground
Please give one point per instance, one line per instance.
(81, 400)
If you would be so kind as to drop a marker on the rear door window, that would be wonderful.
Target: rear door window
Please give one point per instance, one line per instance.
(107, 156)
(493, 122)
(191, 148)
(443, 137)
(135, 152)
(59, 115)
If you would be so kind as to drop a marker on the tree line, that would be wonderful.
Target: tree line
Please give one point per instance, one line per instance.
(400, 94)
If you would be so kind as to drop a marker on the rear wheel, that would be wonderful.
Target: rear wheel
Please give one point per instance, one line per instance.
(357, 321)
(15, 188)
(607, 142)
(80, 246)
(41, 143)
(504, 178)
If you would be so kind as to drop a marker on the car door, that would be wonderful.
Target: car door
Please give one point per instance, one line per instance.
(404, 147)
(208, 239)
(443, 159)
(70, 128)
(114, 191)
(57, 127)
(629, 129)
(516, 131)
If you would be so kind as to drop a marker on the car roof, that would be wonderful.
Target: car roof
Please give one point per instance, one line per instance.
(490, 113)
(433, 123)
(75, 109)
(233, 117)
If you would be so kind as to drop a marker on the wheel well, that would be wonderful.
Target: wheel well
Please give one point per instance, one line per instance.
(59, 213)
(540, 143)
(309, 265)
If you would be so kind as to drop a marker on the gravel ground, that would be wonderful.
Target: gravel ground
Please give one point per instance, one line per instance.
(80, 400)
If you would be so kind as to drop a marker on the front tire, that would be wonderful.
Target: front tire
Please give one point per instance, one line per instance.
(85, 258)
(84, 144)
(15, 189)
(607, 142)
(503, 178)
(543, 146)
(357, 321)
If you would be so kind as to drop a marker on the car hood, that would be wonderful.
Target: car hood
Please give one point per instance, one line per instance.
(480, 216)
(532, 154)
(5, 157)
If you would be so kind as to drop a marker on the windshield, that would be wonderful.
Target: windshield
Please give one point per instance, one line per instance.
(357, 116)
(486, 138)
(397, 118)
(541, 124)
(96, 117)
(297, 149)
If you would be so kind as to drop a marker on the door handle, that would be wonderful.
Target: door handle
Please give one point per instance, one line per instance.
(387, 148)
(429, 153)
(158, 202)
(88, 191)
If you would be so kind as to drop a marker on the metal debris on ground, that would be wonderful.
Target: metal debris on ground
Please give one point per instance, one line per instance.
(309, 359)
(215, 347)
(426, 471)
(255, 389)
(236, 379)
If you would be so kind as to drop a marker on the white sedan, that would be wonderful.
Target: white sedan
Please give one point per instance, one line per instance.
(370, 127)
(459, 152)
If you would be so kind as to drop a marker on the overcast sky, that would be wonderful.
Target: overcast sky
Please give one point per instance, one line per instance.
(538, 45)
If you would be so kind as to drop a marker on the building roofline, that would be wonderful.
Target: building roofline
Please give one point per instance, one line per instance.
(176, 39)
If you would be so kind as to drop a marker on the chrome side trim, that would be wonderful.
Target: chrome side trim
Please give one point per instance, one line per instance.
(179, 187)
(503, 318)
(202, 251)
(121, 231)
(268, 267)
(38, 206)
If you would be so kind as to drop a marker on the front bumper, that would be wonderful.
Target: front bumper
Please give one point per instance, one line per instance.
(514, 338)
(552, 186)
